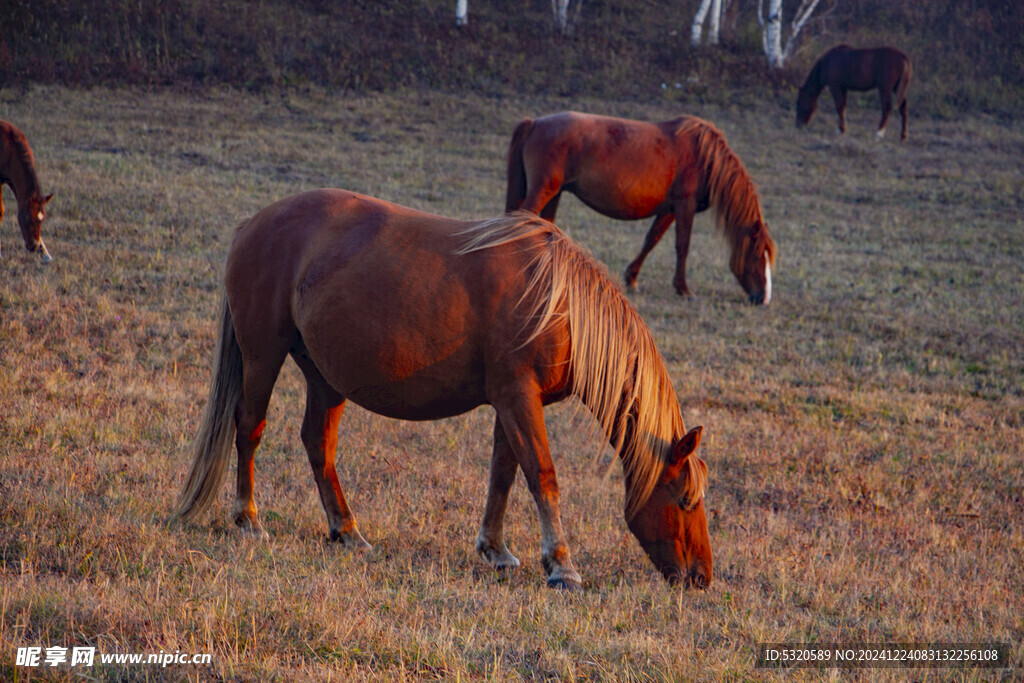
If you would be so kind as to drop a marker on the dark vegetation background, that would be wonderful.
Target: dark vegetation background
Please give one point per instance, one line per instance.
(968, 54)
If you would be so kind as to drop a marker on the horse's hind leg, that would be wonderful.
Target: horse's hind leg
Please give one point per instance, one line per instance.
(904, 115)
(324, 407)
(658, 228)
(250, 419)
(885, 95)
(551, 208)
(490, 542)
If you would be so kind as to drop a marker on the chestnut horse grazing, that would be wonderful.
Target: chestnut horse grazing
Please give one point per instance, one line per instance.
(633, 169)
(420, 317)
(843, 68)
(18, 170)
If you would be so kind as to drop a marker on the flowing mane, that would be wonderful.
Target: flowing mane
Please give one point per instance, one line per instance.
(616, 369)
(731, 192)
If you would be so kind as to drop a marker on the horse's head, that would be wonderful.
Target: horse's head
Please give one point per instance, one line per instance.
(31, 214)
(752, 262)
(805, 106)
(671, 525)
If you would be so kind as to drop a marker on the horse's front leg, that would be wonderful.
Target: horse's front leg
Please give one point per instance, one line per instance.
(684, 226)
(839, 97)
(658, 228)
(522, 417)
(490, 542)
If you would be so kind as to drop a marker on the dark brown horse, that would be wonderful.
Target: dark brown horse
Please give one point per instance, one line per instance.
(843, 68)
(18, 170)
(419, 317)
(633, 169)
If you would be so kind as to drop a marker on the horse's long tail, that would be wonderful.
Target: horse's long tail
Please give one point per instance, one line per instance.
(516, 192)
(216, 434)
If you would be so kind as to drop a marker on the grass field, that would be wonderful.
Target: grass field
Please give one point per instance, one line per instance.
(863, 433)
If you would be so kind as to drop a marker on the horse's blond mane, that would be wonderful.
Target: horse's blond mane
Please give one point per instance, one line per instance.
(731, 192)
(616, 369)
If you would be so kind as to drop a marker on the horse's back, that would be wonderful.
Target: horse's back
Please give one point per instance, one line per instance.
(377, 295)
(864, 68)
(622, 168)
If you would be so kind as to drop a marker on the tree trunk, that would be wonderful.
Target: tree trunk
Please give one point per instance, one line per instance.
(563, 22)
(462, 13)
(803, 13)
(716, 21)
(560, 10)
(771, 34)
(698, 22)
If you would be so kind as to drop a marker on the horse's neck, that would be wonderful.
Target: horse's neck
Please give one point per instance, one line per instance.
(815, 83)
(20, 174)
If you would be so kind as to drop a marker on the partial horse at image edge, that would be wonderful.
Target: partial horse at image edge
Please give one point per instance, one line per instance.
(843, 68)
(507, 312)
(628, 170)
(17, 169)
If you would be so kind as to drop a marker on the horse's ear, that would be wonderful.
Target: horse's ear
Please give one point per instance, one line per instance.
(680, 452)
(47, 199)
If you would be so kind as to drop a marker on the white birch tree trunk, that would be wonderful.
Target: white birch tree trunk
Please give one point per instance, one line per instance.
(803, 13)
(697, 29)
(560, 11)
(716, 22)
(462, 13)
(771, 33)
(771, 29)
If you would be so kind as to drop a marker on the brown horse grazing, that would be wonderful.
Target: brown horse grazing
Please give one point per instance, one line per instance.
(632, 169)
(843, 68)
(420, 317)
(18, 171)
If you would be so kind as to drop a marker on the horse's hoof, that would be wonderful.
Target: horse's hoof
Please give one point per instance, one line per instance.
(256, 533)
(249, 526)
(500, 559)
(629, 278)
(352, 540)
(566, 583)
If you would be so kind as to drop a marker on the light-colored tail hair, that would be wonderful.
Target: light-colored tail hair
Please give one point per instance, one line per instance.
(213, 442)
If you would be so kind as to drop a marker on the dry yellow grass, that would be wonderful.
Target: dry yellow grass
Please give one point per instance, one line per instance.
(863, 433)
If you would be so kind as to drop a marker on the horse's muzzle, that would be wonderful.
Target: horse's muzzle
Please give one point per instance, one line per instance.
(758, 299)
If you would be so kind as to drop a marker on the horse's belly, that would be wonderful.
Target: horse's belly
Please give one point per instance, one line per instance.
(626, 206)
(626, 196)
(417, 399)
